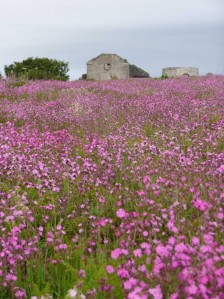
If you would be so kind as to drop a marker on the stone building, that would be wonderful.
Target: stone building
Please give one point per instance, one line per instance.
(180, 71)
(112, 66)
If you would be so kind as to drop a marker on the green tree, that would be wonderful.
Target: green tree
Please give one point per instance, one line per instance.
(38, 69)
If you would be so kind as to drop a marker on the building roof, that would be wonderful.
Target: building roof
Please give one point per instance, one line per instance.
(139, 69)
(179, 67)
(97, 57)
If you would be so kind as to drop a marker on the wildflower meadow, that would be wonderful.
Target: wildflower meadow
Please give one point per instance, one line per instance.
(112, 189)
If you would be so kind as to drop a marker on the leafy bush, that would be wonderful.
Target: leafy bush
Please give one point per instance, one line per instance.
(164, 77)
(38, 69)
(84, 77)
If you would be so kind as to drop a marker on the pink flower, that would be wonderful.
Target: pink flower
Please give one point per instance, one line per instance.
(172, 227)
(192, 290)
(124, 251)
(109, 269)
(146, 181)
(123, 273)
(116, 253)
(141, 193)
(162, 251)
(221, 168)
(102, 222)
(20, 294)
(156, 292)
(137, 252)
(130, 283)
(200, 204)
(208, 239)
(172, 240)
(82, 273)
(158, 266)
(146, 248)
(59, 227)
(220, 216)
(121, 213)
(180, 247)
(11, 277)
(49, 240)
(203, 290)
(101, 200)
(63, 246)
(142, 268)
(195, 241)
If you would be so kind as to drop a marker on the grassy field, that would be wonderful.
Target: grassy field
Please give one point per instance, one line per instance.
(112, 189)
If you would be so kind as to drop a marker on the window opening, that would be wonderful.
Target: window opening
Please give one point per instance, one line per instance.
(107, 66)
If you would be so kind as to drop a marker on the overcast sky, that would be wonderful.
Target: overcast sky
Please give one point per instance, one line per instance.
(149, 33)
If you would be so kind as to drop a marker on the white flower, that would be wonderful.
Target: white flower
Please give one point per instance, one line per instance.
(72, 293)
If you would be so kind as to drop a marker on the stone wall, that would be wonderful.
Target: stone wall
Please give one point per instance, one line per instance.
(107, 67)
(180, 71)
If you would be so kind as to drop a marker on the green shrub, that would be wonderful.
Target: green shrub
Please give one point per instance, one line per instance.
(164, 77)
(38, 69)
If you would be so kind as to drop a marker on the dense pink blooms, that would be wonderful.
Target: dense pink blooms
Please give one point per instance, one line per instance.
(122, 177)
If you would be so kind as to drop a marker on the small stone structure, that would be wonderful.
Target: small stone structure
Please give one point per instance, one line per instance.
(180, 71)
(112, 66)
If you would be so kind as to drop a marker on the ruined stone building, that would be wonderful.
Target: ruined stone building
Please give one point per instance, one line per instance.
(180, 71)
(112, 66)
